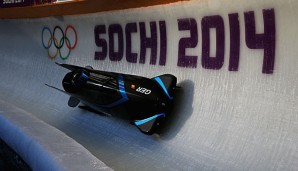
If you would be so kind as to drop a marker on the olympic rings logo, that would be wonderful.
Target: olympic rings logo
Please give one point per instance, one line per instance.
(58, 44)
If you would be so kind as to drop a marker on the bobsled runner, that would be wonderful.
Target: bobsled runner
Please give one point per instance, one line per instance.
(144, 102)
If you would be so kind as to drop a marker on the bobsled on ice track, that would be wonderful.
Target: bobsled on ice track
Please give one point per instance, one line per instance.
(144, 102)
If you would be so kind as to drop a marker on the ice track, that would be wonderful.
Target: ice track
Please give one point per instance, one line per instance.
(222, 120)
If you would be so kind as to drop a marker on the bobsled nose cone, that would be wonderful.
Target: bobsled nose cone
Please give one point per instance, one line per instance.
(167, 82)
(149, 125)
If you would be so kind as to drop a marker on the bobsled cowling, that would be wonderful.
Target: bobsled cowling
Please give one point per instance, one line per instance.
(145, 102)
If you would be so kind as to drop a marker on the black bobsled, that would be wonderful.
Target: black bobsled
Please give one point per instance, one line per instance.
(144, 102)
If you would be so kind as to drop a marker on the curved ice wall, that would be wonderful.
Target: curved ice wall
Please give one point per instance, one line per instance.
(41, 146)
(235, 62)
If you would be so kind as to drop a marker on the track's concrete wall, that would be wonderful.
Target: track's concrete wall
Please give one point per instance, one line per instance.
(237, 106)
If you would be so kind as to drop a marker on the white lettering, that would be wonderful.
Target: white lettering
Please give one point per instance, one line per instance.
(143, 90)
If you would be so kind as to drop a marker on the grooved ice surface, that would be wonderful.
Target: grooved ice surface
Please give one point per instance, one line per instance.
(223, 120)
(42, 146)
